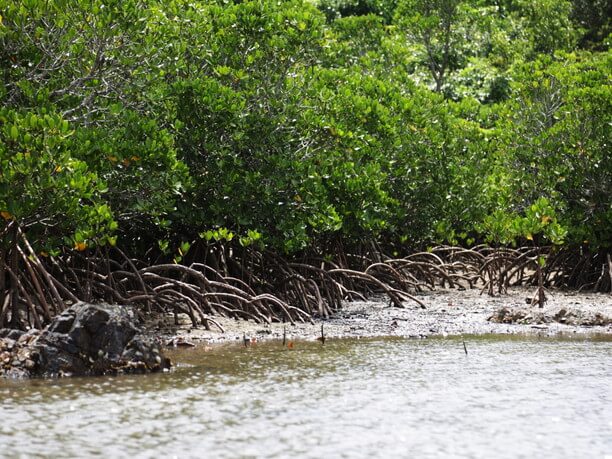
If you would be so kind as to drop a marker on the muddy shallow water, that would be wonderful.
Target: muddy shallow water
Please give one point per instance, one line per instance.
(383, 397)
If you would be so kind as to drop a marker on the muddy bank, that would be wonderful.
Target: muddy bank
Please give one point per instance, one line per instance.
(101, 339)
(448, 312)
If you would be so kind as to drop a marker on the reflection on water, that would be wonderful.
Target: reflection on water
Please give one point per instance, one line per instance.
(349, 398)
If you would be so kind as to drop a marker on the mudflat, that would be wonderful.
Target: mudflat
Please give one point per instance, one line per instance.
(447, 312)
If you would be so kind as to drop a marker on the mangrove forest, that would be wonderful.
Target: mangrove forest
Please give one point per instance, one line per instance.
(270, 160)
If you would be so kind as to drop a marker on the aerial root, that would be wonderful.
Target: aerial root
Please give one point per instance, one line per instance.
(266, 288)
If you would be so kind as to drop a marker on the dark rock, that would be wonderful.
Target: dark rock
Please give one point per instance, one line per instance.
(86, 339)
(15, 373)
(600, 319)
(565, 316)
(10, 333)
(7, 344)
(179, 341)
(56, 354)
(63, 322)
(508, 316)
(146, 352)
(28, 336)
(501, 316)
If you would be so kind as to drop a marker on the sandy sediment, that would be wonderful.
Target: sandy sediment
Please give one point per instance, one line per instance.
(448, 312)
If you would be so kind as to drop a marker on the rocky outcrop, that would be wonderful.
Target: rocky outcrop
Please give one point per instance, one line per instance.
(86, 339)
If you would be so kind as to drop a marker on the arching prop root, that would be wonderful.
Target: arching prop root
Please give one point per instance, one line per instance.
(29, 295)
(245, 283)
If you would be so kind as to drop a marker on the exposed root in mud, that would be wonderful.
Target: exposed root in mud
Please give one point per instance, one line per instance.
(243, 283)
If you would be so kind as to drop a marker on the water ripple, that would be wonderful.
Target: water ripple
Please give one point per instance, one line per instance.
(349, 398)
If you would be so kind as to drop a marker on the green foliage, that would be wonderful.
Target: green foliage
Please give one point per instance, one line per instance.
(88, 62)
(559, 143)
(549, 24)
(138, 162)
(297, 123)
(355, 38)
(252, 238)
(76, 56)
(433, 26)
(334, 9)
(540, 220)
(499, 227)
(594, 19)
(48, 191)
(221, 235)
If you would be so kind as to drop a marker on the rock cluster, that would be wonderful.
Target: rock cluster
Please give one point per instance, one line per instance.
(566, 316)
(16, 355)
(86, 339)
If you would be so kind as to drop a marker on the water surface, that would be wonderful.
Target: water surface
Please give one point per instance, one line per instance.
(509, 397)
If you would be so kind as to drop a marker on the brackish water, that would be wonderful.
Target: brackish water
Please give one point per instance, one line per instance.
(509, 397)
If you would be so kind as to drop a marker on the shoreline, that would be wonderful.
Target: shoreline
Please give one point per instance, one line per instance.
(89, 339)
(449, 312)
